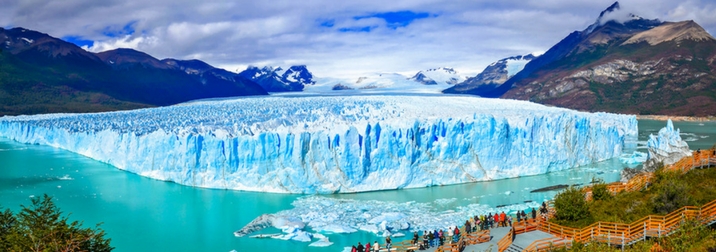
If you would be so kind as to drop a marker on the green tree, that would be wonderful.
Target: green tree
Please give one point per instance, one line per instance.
(670, 192)
(42, 227)
(570, 205)
(600, 190)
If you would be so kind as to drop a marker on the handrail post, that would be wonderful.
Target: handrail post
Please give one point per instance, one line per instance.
(658, 232)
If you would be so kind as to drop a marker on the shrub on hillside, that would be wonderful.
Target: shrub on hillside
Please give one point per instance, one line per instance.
(571, 206)
(600, 191)
(670, 192)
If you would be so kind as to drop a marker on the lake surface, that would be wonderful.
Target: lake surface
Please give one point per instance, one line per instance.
(141, 214)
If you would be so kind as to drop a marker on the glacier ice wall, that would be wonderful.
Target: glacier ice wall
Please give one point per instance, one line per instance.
(334, 144)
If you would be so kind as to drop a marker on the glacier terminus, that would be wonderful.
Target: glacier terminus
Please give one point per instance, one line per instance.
(334, 144)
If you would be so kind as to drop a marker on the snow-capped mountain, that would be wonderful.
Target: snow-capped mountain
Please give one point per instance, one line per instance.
(496, 73)
(427, 81)
(272, 79)
(435, 76)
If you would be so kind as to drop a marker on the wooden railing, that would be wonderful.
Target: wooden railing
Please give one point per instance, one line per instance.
(699, 159)
(525, 226)
(649, 226)
(548, 244)
(505, 242)
(625, 234)
(468, 239)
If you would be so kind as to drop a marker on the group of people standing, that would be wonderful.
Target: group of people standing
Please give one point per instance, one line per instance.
(435, 238)
(375, 247)
(452, 234)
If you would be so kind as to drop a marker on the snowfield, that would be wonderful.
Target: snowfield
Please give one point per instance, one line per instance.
(329, 144)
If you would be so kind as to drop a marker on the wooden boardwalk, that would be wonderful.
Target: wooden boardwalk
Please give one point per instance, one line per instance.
(542, 235)
(623, 234)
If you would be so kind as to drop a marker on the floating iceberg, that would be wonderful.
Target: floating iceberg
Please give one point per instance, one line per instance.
(666, 147)
(334, 144)
(636, 158)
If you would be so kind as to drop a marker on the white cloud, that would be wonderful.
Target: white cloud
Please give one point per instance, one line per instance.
(466, 35)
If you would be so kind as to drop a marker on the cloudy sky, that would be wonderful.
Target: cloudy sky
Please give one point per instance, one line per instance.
(333, 38)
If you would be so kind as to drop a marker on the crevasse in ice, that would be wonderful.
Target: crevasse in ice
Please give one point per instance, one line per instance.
(334, 144)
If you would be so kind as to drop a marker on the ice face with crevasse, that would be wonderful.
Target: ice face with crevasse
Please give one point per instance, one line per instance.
(334, 144)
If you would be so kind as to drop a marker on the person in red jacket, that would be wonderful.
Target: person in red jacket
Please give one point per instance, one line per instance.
(497, 220)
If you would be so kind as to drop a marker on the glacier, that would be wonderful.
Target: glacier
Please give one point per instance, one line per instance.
(334, 144)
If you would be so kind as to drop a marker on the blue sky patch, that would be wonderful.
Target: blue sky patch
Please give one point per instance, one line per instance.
(356, 29)
(328, 23)
(113, 31)
(398, 18)
(78, 41)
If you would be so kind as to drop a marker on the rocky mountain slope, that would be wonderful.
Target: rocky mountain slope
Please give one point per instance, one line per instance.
(668, 69)
(493, 76)
(436, 76)
(43, 74)
(295, 78)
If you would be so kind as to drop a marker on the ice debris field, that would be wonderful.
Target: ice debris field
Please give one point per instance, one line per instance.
(313, 216)
(329, 144)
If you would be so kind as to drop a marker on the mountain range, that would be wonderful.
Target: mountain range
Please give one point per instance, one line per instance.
(43, 74)
(621, 63)
(636, 65)
(493, 76)
(295, 78)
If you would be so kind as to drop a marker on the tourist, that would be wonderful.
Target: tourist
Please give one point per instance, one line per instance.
(367, 247)
(496, 219)
(415, 237)
(534, 214)
(450, 234)
(519, 218)
(431, 239)
(468, 228)
(436, 238)
(388, 243)
(503, 219)
(441, 236)
(524, 215)
(354, 249)
(360, 247)
(425, 239)
(457, 234)
(509, 221)
(376, 246)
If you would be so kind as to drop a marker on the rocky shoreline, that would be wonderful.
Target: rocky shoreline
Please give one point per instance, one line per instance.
(676, 118)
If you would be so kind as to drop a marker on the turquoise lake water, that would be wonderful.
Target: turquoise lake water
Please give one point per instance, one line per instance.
(141, 214)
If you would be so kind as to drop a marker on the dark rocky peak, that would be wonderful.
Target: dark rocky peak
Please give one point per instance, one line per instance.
(20, 40)
(614, 7)
(125, 57)
(189, 66)
(613, 16)
(298, 74)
